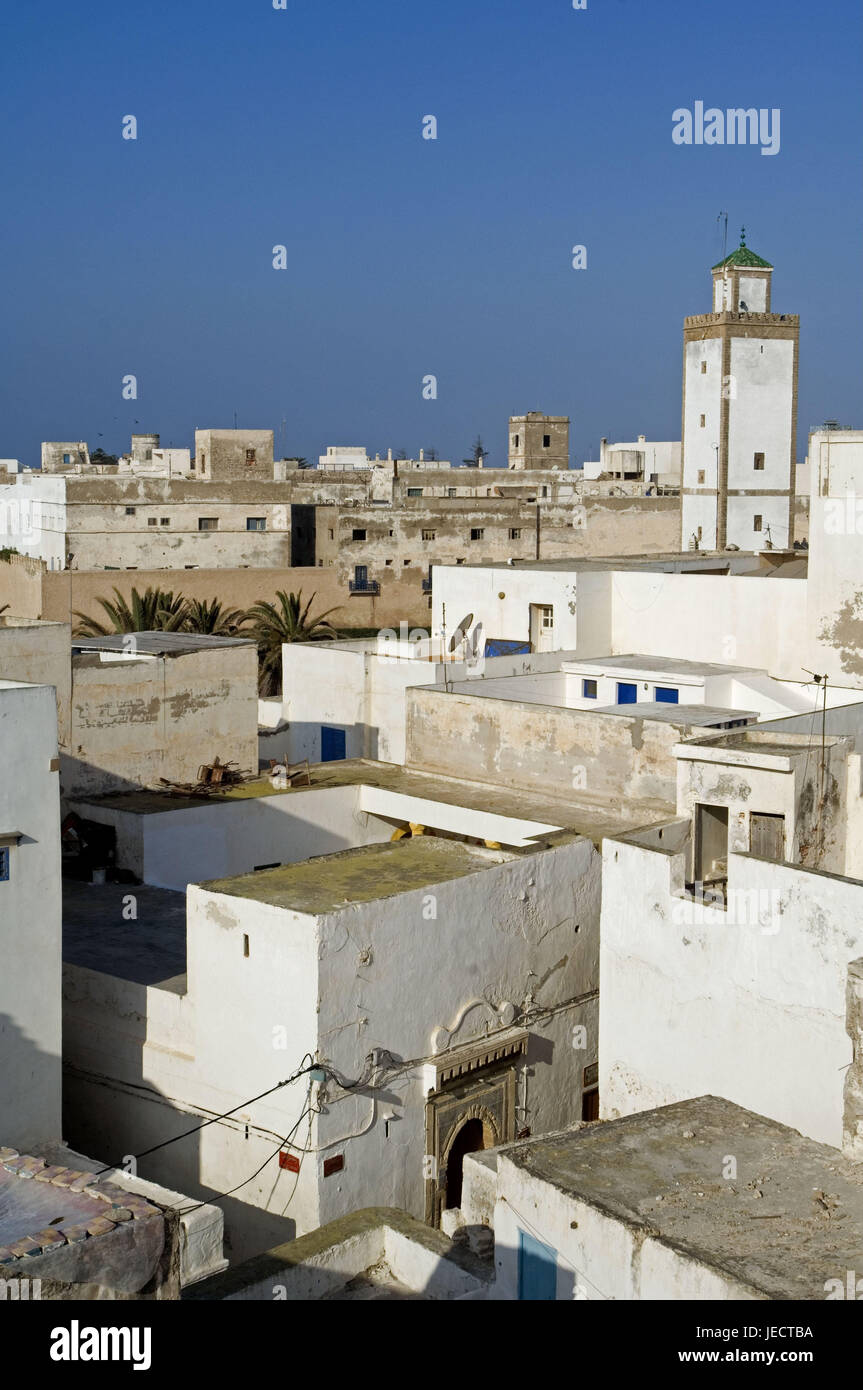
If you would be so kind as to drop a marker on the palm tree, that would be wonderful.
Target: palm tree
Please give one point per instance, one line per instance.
(208, 616)
(156, 610)
(288, 621)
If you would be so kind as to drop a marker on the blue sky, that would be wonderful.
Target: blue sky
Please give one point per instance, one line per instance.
(302, 127)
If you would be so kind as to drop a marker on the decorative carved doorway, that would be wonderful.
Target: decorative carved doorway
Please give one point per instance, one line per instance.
(471, 1108)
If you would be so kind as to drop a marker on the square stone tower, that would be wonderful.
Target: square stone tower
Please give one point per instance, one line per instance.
(234, 455)
(739, 413)
(538, 441)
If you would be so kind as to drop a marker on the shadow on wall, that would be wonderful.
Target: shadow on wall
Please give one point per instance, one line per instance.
(127, 1122)
(30, 1086)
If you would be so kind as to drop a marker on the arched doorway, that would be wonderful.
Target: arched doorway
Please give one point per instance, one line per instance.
(469, 1139)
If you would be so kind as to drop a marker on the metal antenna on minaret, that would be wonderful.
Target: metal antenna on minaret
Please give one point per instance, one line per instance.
(723, 217)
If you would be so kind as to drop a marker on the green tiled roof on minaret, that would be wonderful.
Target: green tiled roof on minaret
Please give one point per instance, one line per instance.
(743, 256)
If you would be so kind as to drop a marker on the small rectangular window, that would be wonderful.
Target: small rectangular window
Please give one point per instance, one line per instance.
(151, 520)
(477, 533)
(4, 865)
(415, 492)
(758, 464)
(251, 456)
(546, 441)
(515, 440)
(331, 534)
(67, 458)
(704, 369)
(702, 420)
(358, 534)
(208, 523)
(588, 690)
(130, 511)
(429, 535)
(256, 523)
(164, 521)
(545, 492)
(756, 523)
(701, 475)
(515, 533)
(451, 492)
(666, 695)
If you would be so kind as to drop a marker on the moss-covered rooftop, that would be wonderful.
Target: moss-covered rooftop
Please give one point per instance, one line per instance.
(362, 875)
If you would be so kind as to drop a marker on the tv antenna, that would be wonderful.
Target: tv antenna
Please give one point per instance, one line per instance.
(723, 218)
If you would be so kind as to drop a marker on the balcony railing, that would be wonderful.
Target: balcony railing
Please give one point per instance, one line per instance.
(363, 586)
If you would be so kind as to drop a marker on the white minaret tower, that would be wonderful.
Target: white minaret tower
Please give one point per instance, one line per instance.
(739, 413)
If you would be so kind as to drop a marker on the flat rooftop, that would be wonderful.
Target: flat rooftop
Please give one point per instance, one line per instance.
(156, 643)
(756, 563)
(792, 1219)
(671, 665)
(365, 874)
(578, 812)
(149, 950)
(690, 715)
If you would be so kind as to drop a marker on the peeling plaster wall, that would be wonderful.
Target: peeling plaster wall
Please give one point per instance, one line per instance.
(135, 721)
(752, 1010)
(812, 839)
(542, 748)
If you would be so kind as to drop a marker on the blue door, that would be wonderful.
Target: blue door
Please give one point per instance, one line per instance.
(332, 744)
(537, 1269)
(627, 694)
(666, 694)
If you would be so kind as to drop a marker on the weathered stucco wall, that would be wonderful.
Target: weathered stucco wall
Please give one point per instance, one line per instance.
(542, 748)
(133, 722)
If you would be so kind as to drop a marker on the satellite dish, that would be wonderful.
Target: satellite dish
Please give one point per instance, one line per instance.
(458, 635)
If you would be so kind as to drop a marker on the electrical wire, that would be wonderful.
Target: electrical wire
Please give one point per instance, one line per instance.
(219, 1196)
(215, 1119)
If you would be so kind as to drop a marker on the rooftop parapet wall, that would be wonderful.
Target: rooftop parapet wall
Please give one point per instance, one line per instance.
(542, 747)
(731, 316)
